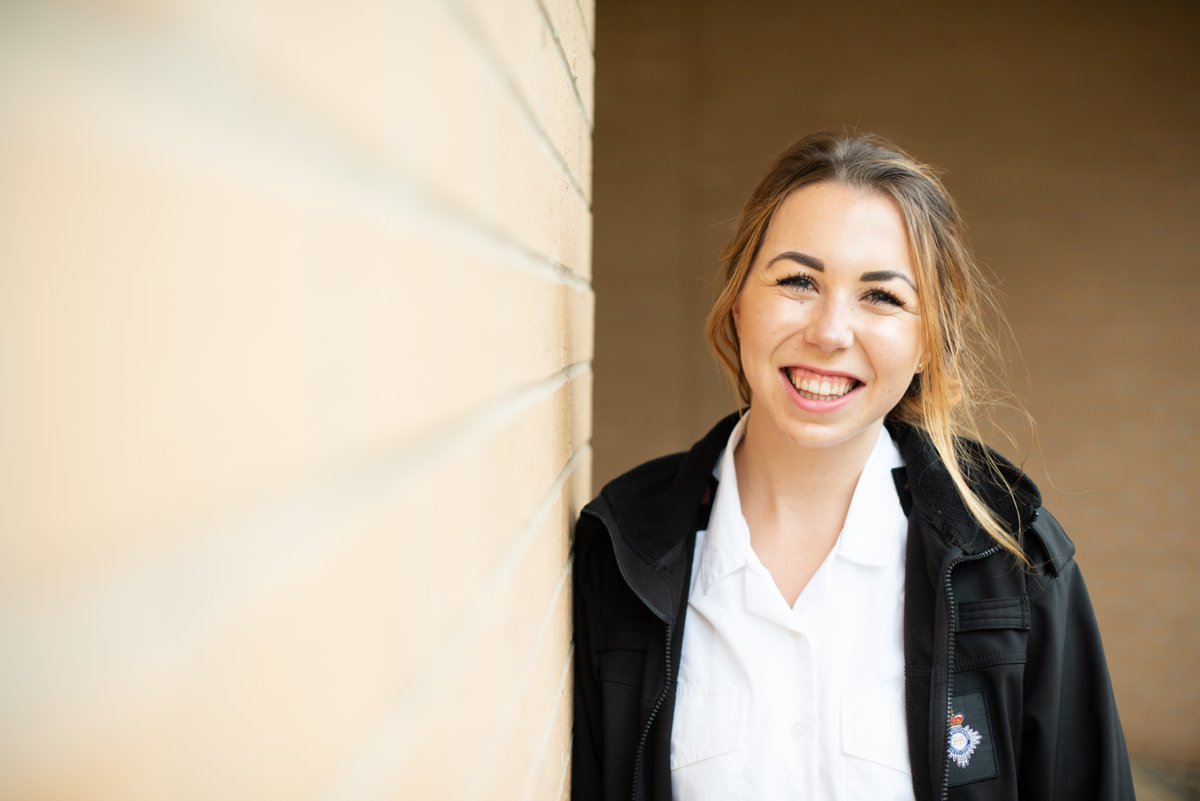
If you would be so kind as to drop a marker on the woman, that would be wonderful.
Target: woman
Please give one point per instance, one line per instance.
(838, 593)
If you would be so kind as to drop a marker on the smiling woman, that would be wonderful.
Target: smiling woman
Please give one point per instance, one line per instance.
(838, 593)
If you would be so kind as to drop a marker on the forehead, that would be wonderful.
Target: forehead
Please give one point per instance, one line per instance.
(844, 226)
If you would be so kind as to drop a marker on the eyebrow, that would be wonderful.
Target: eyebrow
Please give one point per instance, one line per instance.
(886, 275)
(819, 266)
(799, 258)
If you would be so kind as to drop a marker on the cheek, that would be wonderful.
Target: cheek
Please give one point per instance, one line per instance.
(901, 335)
(762, 336)
(897, 352)
(778, 320)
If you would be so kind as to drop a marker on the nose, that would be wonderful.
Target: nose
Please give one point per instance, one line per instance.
(831, 326)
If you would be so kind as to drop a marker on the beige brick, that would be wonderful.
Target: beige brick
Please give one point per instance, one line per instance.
(267, 707)
(507, 764)
(529, 711)
(270, 658)
(494, 682)
(406, 88)
(551, 776)
(464, 494)
(295, 332)
(279, 704)
(588, 9)
(566, 19)
(519, 37)
(394, 92)
(467, 705)
(566, 789)
(116, 768)
(269, 320)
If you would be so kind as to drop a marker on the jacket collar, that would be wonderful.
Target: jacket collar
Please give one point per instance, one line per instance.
(652, 511)
(933, 495)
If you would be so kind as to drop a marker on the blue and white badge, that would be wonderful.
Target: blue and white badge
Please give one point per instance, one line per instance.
(961, 741)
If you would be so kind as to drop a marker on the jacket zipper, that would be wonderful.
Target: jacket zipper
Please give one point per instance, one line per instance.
(639, 754)
(662, 696)
(950, 663)
(950, 647)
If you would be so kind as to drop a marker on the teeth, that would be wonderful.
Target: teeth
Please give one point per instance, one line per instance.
(822, 389)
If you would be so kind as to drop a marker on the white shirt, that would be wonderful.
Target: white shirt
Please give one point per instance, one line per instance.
(800, 702)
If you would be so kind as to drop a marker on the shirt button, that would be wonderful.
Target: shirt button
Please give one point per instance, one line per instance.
(798, 729)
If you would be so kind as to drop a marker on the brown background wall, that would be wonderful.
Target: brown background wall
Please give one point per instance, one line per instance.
(1069, 132)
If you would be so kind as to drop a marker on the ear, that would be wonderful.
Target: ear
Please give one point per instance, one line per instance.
(737, 311)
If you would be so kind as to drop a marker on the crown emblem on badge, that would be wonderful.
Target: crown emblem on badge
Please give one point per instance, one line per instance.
(961, 741)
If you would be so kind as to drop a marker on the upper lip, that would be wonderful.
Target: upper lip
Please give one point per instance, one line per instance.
(818, 371)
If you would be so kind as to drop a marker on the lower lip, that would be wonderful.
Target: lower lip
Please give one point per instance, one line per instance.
(819, 406)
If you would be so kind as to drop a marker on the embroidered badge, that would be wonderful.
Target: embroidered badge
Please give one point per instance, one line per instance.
(962, 741)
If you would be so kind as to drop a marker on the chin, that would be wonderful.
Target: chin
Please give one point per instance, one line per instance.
(809, 435)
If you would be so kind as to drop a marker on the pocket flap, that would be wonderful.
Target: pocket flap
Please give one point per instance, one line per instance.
(873, 726)
(709, 720)
(994, 613)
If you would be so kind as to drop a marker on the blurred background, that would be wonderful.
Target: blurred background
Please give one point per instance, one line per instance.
(298, 325)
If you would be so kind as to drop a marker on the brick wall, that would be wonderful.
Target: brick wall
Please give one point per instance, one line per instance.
(295, 357)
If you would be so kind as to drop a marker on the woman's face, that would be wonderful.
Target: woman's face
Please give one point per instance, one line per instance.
(828, 318)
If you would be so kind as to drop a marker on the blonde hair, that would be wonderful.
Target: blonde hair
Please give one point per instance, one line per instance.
(945, 399)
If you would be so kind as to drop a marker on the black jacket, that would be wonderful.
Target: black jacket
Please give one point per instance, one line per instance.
(1018, 649)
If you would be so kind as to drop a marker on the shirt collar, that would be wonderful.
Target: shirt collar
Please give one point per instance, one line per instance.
(727, 540)
(875, 512)
(865, 537)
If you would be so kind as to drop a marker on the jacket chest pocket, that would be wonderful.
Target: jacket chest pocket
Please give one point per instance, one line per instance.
(991, 632)
(980, 740)
(622, 652)
(706, 741)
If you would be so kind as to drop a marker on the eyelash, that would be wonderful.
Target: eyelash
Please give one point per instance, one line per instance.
(799, 281)
(876, 295)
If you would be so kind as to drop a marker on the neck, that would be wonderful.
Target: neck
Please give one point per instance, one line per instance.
(787, 482)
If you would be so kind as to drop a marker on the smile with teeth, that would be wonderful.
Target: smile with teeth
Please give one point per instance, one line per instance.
(816, 386)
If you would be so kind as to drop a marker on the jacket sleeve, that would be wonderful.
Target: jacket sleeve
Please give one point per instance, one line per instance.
(1072, 745)
(586, 739)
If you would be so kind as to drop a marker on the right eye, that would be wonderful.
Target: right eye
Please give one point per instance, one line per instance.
(801, 281)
